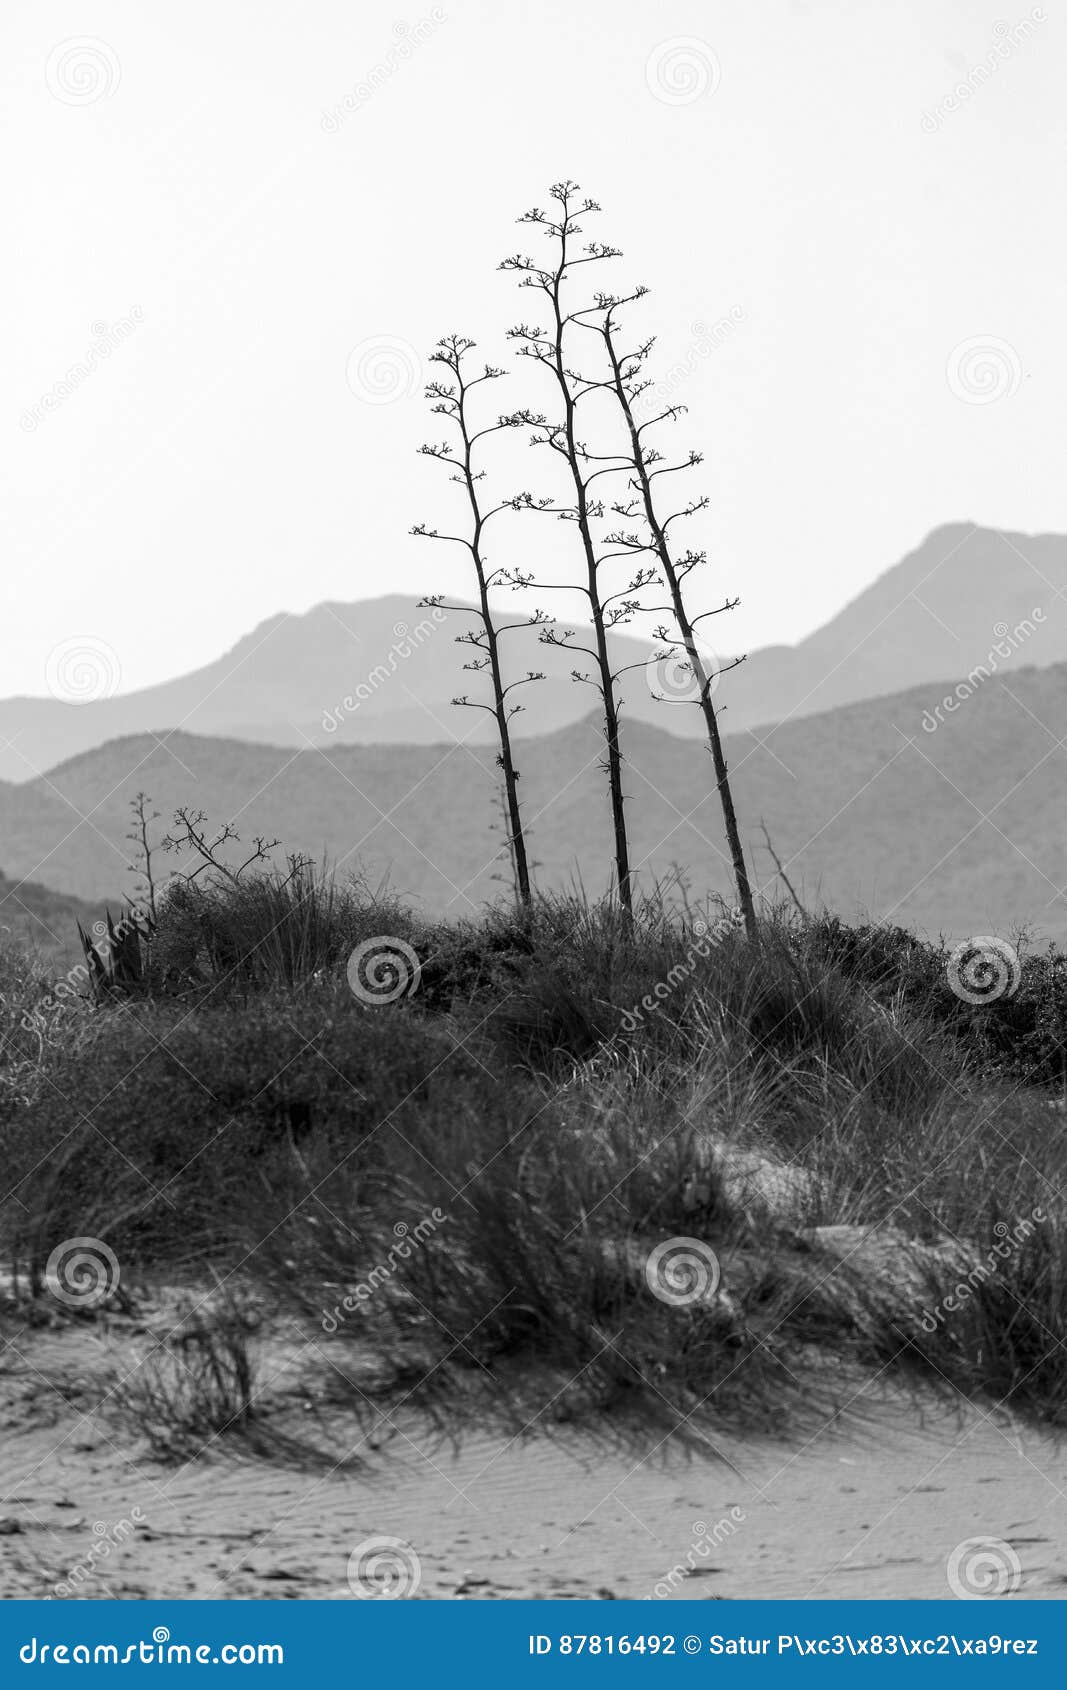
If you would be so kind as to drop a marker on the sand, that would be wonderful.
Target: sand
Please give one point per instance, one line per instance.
(874, 1505)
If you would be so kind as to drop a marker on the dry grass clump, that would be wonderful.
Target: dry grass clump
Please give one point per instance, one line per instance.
(193, 1387)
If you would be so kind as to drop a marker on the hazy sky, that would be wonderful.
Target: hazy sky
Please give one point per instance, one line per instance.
(193, 192)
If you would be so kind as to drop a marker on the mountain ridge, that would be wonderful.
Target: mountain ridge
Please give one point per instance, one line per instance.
(932, 614)
(954, 829)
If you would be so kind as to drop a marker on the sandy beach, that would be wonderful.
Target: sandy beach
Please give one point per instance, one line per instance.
(872, 1506)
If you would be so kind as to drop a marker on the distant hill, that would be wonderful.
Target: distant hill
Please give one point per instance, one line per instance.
(937, 614)
(379, 672)
(45, 921)
(946, 608)
(957, 829)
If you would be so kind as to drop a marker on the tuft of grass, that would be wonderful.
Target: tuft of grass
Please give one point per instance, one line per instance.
(195, 1387)
(37, 1025)
(276, 928)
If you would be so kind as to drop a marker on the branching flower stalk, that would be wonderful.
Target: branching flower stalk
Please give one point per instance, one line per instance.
(648, 466)
(190, 834)
(450, 399)
(139, 837)
(551, 347)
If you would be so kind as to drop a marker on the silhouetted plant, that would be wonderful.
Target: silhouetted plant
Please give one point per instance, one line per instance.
(609, 606)
(144, 851)
(645, 467)
(621, 379)
(191, 834)
(451, 401)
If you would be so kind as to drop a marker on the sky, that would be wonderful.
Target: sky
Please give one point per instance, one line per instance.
(243, 227)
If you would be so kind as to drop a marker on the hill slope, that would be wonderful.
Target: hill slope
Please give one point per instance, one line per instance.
(938, 613)
(44, 921)
(958, 829)
(379, 672)
(965, 597)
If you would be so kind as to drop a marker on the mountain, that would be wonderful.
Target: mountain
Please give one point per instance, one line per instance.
(945, 819)
(383, 671)
(967, 596)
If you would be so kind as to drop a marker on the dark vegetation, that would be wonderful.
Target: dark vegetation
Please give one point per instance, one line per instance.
(451, 1166)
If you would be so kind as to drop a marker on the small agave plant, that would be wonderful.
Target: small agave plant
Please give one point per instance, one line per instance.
(116, 962)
